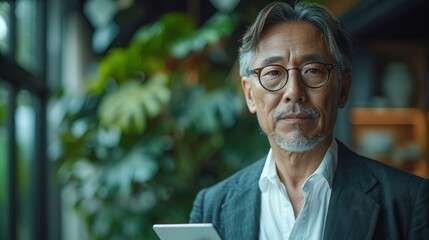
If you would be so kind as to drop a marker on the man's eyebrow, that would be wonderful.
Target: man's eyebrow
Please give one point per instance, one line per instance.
(271, 60)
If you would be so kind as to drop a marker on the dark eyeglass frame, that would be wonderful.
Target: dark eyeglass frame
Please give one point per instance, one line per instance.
(329, 67)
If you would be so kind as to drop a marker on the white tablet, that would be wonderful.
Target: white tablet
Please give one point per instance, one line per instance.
(187, 231)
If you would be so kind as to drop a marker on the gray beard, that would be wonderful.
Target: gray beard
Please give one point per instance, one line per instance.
(297, 143)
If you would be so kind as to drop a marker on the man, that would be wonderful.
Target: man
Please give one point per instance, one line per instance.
(295, 68)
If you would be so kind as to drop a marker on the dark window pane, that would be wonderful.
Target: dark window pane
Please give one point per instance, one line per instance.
(25, 139)
(4, 95)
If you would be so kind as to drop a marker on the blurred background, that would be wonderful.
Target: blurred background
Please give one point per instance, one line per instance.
(114, 113)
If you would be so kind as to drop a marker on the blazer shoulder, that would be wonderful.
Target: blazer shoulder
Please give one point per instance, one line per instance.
(355, 164)
(238, 181)
(242, 177)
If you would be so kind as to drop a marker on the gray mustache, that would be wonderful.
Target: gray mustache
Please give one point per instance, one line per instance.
(295, 109)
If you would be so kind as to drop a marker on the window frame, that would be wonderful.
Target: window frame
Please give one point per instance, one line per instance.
(45, 220)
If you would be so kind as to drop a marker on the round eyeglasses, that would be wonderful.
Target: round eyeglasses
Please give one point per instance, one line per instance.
(313, 75)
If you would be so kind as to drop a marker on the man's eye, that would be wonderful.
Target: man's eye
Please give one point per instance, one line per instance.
(272, 73)
(312, 71)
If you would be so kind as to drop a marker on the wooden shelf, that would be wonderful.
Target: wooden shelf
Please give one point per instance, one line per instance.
(395, 136)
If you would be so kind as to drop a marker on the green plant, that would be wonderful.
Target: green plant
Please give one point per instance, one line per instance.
(160, 120)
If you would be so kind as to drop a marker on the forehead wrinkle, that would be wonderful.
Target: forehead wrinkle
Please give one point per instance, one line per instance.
(313, 57)
(290, 45)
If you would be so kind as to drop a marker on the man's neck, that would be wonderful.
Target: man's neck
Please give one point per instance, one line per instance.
(294, 168)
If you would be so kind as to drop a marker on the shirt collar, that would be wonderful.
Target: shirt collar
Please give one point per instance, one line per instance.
(269, 172)
(329, 163)
(326, 168)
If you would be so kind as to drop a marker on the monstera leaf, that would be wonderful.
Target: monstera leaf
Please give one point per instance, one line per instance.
(208, 111)
(147, 52)
(129, 107)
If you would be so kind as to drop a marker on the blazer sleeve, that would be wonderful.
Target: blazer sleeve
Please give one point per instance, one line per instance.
(196, 215)
(419, 226)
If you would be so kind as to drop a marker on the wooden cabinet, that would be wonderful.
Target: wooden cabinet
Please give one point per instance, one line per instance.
(397, 137)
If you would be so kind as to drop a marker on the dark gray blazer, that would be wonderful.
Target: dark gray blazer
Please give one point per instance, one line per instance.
(369, 201)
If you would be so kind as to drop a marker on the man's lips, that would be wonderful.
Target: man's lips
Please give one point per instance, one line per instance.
(302, 116)
(296, 118)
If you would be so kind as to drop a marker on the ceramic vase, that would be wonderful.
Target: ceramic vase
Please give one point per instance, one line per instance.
(397, 85)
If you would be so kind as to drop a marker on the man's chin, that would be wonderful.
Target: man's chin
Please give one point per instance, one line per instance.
(297, 143)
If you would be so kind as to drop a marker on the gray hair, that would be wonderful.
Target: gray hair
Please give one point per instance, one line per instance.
(337, 39)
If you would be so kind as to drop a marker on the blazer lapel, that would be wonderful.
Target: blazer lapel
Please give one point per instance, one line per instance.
(352, 213)
(241, 213)
(242, 221)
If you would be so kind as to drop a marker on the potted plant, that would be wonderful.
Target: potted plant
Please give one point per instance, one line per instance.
(160, 120)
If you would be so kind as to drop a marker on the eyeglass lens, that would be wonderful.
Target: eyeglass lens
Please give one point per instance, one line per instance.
(274, 77)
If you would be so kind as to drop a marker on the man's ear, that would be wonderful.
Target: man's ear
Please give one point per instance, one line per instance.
(345, 90)
(248, 94)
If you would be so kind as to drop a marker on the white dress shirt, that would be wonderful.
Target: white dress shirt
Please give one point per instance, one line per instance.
(277, 216)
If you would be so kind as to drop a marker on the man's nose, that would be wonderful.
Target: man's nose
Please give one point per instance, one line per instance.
(294, 91)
